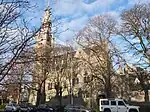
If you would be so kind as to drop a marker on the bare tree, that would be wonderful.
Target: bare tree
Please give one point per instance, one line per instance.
(15, 81)
(135, 32)
(14, 34)
(60, 69)
(143, 79)
(96, 37)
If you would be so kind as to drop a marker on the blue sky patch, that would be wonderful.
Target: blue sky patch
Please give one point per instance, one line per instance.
(75, 14)
(88, 1)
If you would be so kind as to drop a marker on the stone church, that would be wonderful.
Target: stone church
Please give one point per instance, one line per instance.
(58, 66)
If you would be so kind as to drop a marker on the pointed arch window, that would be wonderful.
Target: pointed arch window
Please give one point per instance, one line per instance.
(50, 86)
(75, 81)
(87, 78)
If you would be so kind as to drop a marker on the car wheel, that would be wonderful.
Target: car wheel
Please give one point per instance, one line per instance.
(107, 110)
(133, 110)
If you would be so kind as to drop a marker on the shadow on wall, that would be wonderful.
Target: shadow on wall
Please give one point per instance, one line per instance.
(66, 101)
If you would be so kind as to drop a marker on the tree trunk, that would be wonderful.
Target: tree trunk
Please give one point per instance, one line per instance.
(108, 90)
(19, 94)
(38, 97)
(146, 97)
(41, 96)
(108, 77)
(60, 96)
(91, 97)
(57, 90)
(71, 95)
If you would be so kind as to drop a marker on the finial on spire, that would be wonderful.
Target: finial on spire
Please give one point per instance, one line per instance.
(48, 3)
(47, 14)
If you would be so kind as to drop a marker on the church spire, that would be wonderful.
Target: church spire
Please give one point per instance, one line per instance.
(46, 18)
(44, 37)
(44, 47)
(46, 27)
(47, 12)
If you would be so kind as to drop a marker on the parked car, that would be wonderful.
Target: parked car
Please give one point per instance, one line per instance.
(12, 107)
(58, 108)
(76, 108)
(25, 107)
(44, 108)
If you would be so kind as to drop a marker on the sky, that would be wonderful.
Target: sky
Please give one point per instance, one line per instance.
(75, 14)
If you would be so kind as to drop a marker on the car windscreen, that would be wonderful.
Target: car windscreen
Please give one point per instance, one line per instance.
(105, 102)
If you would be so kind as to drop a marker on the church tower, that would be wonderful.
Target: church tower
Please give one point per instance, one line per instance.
(43, 49)
(44, 38)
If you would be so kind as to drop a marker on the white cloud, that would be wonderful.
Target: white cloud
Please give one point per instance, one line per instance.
(77, 24)
(72, 7)
(73, 27)
(113, 14)
(77, 13)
